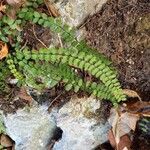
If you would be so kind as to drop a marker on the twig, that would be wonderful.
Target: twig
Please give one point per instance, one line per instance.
(84, 22)
(51, 8)
(38, 38)
(24, 45)
(53, 101)
(60, 41)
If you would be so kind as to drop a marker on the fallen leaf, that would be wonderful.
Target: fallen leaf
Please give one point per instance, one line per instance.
(15, 2)
(140, 108)
(6, 141)
(124, 143)
(122, 123)
(111, 138)
(24, 95)
(51, 8)
(3, 50)
(2, 7)
(131, 93)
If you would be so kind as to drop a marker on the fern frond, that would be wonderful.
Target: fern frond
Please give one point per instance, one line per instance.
(100, 71)
(55, 65)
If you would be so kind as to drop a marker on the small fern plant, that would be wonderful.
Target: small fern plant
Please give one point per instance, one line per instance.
(49, 66)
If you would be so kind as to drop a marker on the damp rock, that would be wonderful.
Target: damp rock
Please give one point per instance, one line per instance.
(74, 12)
(81, 125)
(30, 128)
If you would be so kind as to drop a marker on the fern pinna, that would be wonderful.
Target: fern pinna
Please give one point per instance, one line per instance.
(55, 65)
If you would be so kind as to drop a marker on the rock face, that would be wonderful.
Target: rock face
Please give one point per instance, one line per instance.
(80, 124)
(75, 11)
(33, 129)
(30, 129)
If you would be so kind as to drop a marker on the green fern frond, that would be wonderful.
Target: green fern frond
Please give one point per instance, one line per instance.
(49, 67)
(100, 71)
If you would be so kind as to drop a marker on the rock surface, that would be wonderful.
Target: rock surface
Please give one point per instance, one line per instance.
(75, 11)
(81, 125)
(31, 129)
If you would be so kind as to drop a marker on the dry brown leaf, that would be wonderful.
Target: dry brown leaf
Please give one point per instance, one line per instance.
(24, 95)
(111, 138)
(124, 143)
(122, 123)
(5, 141)
(2, 7)
(15, 2)
(140, 108)
(51, 8)
(3, 50)
(131, 93)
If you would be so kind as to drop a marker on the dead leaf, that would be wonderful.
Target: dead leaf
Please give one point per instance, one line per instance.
(111, 138)
(140, 108)
(124, 143)
(15, 2)
(131, 93)
(122, 123)
(24, 95)
(51, 8)
(2, 7)
(6, 141)
(3, 50)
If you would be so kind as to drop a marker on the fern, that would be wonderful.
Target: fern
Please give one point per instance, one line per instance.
(63, 60)
(49, 67)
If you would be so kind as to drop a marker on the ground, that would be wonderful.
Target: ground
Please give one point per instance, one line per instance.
(120, 31)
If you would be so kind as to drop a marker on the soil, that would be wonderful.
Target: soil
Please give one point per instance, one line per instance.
(36, 37)
(120, 31)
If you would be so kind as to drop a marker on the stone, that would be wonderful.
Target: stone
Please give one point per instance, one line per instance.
(76, 125)
(30, 128)
(75, 11)
(81, 125)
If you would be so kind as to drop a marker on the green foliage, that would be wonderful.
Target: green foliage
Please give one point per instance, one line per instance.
(144, 125)
(2, 127)
(4, 73)
(56, 65)
(49, 67)
(13, 70)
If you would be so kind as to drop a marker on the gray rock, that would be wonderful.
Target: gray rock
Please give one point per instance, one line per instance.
(31, 129)
(75, 11)
(80, 124)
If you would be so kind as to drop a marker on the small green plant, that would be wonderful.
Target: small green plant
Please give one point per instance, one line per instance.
(4, 73)
(48, 67)
(2, 127)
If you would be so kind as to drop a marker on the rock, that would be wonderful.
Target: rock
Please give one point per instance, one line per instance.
(78, 121)
(6, 141)
(75, 11)
(81, 125)
(31, 129)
